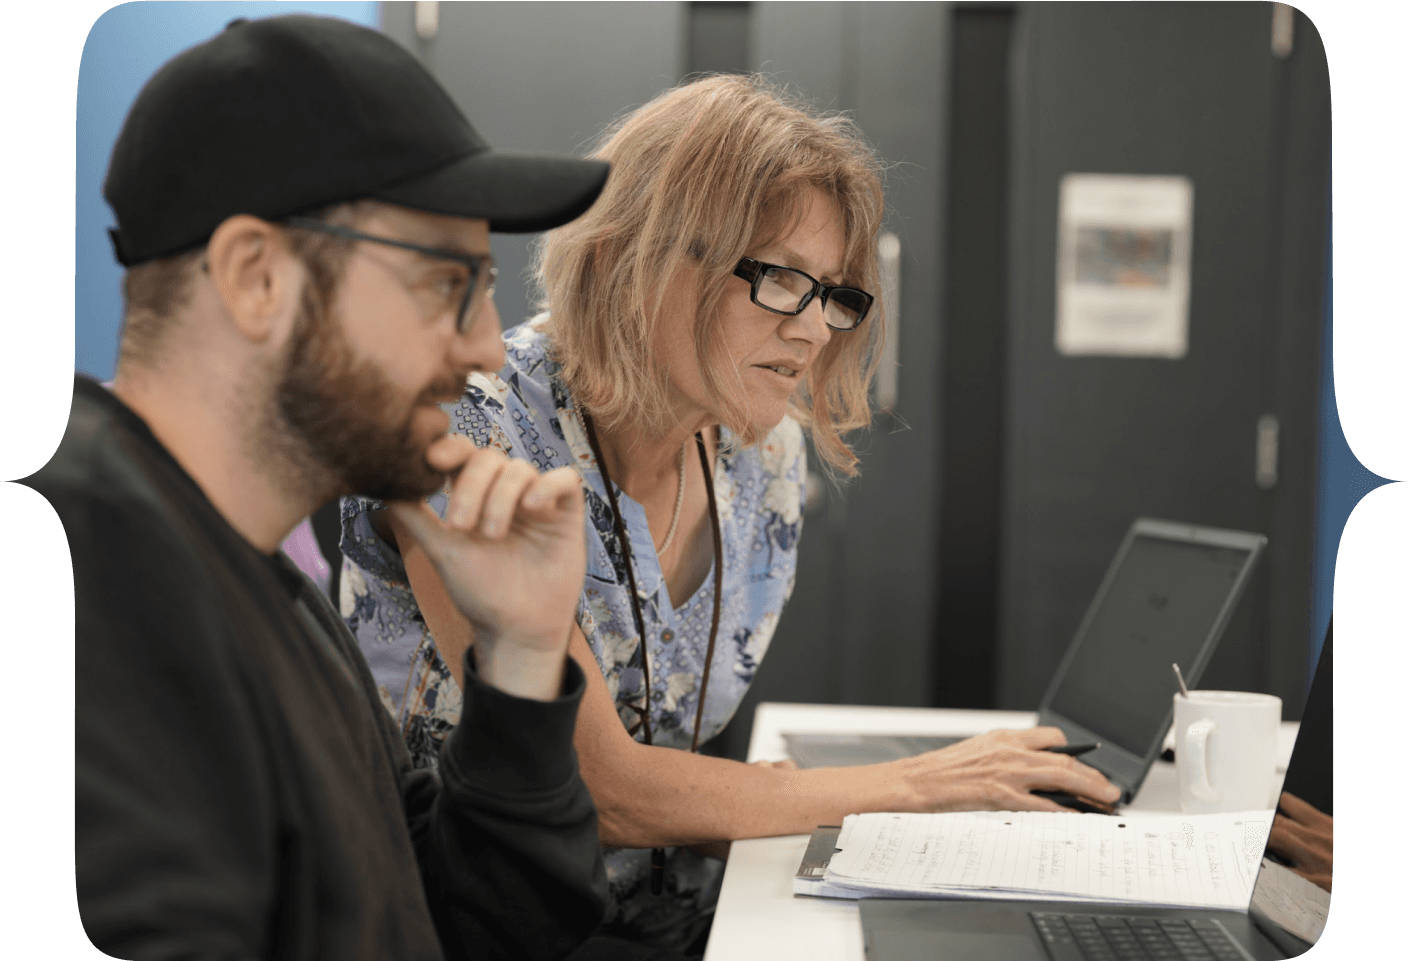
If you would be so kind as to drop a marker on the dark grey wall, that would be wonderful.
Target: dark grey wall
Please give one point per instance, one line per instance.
(1093, 442)
(545, 76)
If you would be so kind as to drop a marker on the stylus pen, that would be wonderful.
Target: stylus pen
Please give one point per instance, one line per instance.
(1074, 750)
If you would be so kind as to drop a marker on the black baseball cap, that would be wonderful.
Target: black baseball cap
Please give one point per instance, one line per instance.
(283, 115)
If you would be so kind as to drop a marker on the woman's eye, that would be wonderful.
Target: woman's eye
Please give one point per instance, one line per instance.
(788, 280)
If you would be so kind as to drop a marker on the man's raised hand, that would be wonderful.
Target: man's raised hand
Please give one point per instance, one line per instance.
(511, 553)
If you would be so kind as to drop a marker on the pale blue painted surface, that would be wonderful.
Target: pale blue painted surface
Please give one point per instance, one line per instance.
(125, 47)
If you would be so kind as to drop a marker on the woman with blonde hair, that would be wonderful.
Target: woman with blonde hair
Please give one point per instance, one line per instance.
(717, 300)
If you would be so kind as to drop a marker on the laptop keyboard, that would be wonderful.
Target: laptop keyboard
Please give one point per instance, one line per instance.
(1117, 937)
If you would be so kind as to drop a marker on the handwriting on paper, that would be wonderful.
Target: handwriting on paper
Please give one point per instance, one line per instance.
(1203, 860)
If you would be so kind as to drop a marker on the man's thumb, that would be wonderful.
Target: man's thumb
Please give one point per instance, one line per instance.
(425, 528)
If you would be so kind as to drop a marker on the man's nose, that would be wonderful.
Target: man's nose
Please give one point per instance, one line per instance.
(481, 346)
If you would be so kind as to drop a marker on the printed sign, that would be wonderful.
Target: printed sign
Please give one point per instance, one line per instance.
(1122, 265)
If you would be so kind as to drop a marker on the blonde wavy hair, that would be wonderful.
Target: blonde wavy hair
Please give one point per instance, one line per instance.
(709, 171)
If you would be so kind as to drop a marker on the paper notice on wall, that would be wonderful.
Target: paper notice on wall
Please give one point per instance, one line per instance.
(1122, 265)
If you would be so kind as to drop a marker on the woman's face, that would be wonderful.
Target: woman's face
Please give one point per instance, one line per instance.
(771, 352)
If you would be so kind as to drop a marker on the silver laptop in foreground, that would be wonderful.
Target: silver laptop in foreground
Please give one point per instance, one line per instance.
(1167, 598)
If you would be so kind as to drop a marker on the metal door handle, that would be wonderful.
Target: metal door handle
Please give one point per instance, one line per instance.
(1268, 443)
(887, 376)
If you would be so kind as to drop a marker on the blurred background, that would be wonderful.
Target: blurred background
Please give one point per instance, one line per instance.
(999, 483)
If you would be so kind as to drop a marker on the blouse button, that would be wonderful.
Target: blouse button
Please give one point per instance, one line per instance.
(657, 696)
(667, 635)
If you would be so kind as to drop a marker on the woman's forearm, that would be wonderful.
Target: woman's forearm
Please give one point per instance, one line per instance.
(655, 797)
(651, 797)
(659, 796)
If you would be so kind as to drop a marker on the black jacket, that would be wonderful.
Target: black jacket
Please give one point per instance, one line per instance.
(241, 790)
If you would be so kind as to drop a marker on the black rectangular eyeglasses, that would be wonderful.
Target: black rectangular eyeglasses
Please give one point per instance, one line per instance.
(788, 291)
(482, 272)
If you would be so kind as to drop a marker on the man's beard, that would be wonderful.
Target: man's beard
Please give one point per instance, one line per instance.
(335, 410)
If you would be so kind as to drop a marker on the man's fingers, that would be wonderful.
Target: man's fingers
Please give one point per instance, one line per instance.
(1283, 838)
(1286, 832)
(421, 523)
(1303, 811)
(467, 493)
(449, 452)
(556, 490)
(1286, 835)
(490, 492)
(501, 500)
(1311, 856)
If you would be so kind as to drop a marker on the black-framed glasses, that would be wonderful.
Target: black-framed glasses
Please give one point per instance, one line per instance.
(461, 295)
(787, 290)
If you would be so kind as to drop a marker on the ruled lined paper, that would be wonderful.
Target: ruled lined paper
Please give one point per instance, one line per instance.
(1204, 860)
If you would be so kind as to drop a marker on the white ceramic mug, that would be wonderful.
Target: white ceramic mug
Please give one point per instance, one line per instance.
(1225, 748)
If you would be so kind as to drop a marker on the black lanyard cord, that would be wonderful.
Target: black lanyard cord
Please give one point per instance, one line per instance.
(657, 855)
(718, 588)
(625, 545)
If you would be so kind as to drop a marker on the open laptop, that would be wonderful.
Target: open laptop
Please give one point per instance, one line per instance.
(1167, 598)
(1285, 917)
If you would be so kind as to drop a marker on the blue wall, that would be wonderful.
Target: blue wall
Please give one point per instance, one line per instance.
(124, 48)
(1340, 480)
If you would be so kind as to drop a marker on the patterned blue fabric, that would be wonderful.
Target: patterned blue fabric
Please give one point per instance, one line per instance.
(526, 412)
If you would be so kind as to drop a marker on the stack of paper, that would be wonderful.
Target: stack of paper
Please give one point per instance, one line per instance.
(1204, 860)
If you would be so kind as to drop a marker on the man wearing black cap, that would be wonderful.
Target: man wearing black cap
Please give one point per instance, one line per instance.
(304, 215)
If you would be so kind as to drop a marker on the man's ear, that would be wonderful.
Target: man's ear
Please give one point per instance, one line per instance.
(257, 278)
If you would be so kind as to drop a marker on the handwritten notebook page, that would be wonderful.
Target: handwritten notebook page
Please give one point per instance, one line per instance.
(1205, 860)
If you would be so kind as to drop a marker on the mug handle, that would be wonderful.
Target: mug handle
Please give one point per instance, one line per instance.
(1196, 744)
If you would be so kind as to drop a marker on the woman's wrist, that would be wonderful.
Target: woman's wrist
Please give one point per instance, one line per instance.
(829, 794)
(896, 789)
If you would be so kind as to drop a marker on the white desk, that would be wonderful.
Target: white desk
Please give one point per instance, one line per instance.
(758, 917)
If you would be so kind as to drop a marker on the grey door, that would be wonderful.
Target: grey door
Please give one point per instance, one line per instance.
(1093, 442)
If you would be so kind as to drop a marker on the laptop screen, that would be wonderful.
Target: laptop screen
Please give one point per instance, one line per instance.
(1159, 608)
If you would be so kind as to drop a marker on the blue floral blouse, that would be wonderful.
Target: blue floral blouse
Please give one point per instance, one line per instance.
(526, 411)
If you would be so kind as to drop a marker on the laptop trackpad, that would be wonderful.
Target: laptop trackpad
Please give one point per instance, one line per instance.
(944, 930)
